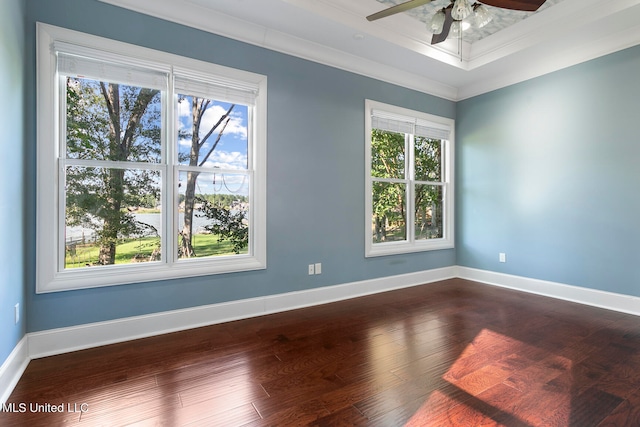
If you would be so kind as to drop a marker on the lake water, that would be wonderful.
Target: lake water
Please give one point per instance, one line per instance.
(75, 234)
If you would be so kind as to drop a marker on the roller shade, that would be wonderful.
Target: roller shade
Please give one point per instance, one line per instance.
(391, 122)
(216, 89)
(78, 66)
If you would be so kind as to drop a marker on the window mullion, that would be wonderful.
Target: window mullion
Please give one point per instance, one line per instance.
(410, 188)
(443, 162)
(110, 164)
(209, 169)
(389, 180)
(61, 176)
(168, 155)
(62, 201)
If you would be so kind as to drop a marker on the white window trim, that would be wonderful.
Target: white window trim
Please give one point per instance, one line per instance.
(49, 277)
(410, 245)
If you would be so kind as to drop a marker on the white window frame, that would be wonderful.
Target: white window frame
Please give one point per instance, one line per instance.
(50, 276)
(411, 244)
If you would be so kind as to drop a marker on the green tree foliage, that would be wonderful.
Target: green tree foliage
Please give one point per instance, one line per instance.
(228, 217)
(388, 161)
(389, 200)
(114, 123)
(223, 199)
(428, 198)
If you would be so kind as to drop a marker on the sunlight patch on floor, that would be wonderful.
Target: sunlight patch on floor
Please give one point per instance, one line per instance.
(491, 367)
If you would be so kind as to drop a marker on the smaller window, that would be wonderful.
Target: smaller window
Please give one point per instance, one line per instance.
(409, 176)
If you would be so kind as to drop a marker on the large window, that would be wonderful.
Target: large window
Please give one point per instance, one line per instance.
(409, 173)
(150, 165)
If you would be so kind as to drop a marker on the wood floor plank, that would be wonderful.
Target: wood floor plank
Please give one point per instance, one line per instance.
(347, 417)
(587, 409)
(292, 413)
(627, 414)
(484, 378)
(505, 399)
(353, 393)
(452, 353)
(406, 393)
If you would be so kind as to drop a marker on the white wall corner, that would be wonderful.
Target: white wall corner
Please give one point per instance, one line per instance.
(13, 368)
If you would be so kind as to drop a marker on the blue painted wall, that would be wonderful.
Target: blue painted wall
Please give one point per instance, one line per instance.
(315, 172)
(12, 145)
(548, 172)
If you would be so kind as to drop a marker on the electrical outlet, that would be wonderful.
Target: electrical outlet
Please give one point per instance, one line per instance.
(17, 312)
(503, 257)
(312, 269)
(318, 268)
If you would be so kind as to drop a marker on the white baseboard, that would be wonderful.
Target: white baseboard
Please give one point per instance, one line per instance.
(12, 368)
(62, 340)
(57, 341)
(593, 297)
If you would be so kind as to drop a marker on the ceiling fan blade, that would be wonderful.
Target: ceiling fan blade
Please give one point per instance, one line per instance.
(446, 27)
(525, 5)
(402, 7)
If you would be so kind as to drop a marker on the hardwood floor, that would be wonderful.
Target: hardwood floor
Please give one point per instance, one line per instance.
(453, 353)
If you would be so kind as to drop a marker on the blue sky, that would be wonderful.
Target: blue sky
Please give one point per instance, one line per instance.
(231, 152)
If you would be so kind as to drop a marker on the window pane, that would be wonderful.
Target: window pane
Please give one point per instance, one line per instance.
(113, 122)
(428, 159)
(112, 216)
(213, 214)
(387, 154)
(389, 212)
(212, 134)
(428, 211)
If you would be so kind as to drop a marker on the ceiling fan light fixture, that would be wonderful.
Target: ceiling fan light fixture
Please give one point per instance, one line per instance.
(482, 15)
(461, 9)
(455, 32)
(457, 28)
(437, 22)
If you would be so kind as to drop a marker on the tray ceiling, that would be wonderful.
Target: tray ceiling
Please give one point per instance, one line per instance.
(397, 49)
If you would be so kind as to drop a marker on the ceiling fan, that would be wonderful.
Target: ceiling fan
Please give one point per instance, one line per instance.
(456, 12)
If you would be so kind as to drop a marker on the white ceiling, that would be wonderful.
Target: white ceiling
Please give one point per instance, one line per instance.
(397, 49)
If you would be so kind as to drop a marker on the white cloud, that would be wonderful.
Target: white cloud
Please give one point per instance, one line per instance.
(184, 110)
(234, 130)
(213, 114)
(211, 117)
(227, 160)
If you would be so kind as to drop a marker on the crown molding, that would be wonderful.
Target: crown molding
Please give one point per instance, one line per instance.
(615, 34)
(568, 33)
(552, 24)
(190, 14)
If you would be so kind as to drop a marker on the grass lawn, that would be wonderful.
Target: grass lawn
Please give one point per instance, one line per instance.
(142, 248)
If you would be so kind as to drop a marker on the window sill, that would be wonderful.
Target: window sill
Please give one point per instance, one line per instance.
(112, 275)
(395, 248)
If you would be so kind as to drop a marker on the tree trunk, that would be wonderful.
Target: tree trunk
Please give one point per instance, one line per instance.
(186, 246)
(381, 228)
(119, 149)
(112, 225)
